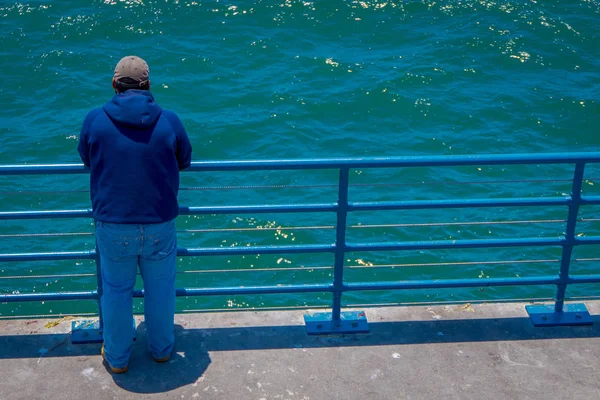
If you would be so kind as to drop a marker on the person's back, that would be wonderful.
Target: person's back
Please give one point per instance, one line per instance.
(134, 150)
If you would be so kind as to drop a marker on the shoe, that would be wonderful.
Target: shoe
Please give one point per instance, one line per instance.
(113, 369)
(162, 360)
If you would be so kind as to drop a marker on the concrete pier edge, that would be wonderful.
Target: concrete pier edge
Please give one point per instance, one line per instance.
(460, 351)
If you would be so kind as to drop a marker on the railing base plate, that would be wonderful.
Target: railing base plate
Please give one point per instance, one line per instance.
(86, 331)
(322, 324)
(572, 314)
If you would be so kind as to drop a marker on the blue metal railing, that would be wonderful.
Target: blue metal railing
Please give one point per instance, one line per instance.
(337, 321)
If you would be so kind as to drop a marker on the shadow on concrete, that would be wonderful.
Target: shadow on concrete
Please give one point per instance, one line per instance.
(196, 343)
(188, 362)
(386, 333)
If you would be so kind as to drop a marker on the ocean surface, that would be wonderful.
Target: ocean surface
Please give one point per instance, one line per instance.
(307, 79)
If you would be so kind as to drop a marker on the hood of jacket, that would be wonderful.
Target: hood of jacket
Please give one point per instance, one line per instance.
(134, 108)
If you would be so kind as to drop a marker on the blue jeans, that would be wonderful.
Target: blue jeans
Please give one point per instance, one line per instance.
(122, 248)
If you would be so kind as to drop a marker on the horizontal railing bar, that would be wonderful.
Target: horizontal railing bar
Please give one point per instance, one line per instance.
(424, 245)
(408, 161)
(12, 298)
(250, 308)
(590, 200)
(452, 283)
(248, 290)
(457, 244)
(282, 208)
(216, 271)
(66, 255)
(45, 169)
(46, 276)
(279, 228)
(224, 251)
(429, 204)
(584, 279)
(30, 235)
(326, 207)
(416, 284)
(374, 162)
(274, 186)
(462, 223)
(38, 316)
(587, 240)
(206, 251)
(87, 213)
(19, 191)
(400, 184)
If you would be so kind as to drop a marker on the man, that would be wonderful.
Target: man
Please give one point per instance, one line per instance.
(135, 150)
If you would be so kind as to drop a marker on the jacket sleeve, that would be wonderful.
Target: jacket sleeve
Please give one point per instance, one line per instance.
(84, 139)
(183, 152)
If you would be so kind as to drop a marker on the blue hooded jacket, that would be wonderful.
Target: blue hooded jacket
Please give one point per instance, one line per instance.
(134, 150)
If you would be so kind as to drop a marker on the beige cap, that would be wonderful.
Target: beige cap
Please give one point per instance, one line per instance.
(132, 67)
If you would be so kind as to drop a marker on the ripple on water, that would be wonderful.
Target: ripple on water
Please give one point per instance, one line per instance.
(303, 79)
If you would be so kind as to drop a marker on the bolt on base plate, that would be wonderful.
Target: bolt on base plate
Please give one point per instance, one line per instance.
(88, 331)
(350, 322)
(572, 314)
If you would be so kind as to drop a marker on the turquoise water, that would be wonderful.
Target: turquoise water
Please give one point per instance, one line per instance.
(300, 79)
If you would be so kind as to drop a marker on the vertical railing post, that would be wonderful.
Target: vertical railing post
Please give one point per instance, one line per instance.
(340, 245)
(561, 314)
(569, 238)
(89, 331)
(337, 321)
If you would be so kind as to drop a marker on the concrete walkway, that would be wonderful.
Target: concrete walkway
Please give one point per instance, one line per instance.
(443, 352)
